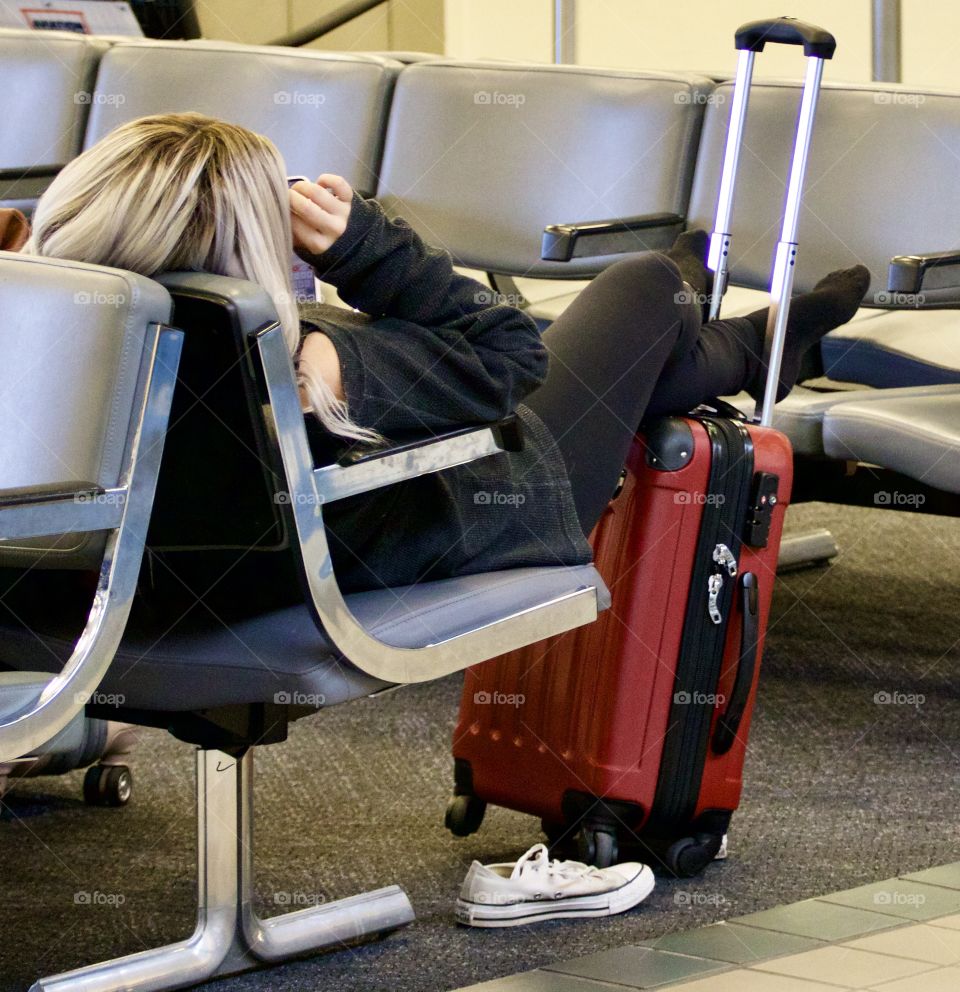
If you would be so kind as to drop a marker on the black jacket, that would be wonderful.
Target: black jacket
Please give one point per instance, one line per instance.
(430, 350)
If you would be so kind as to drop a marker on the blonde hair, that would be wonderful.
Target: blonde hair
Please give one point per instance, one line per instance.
(185, 191)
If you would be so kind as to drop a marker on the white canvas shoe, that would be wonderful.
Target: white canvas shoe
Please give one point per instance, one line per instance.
(536, 888)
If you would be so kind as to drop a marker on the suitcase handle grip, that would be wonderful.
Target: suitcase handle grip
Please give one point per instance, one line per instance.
(817, 42)
(729, 723)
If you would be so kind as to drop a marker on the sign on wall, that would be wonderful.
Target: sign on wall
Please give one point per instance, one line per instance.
(80, 16)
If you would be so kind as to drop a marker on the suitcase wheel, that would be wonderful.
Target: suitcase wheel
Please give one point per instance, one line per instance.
(464, 815)
(598, 847)
(690, 855)
(107, 785)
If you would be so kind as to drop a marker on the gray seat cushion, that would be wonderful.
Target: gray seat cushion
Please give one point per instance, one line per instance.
(896, 348)
(917, 435)
(201, 661)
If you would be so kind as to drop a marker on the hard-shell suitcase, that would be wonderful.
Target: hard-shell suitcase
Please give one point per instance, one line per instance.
(633, 730)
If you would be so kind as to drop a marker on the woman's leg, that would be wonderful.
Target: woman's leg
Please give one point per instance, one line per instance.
(608, 351)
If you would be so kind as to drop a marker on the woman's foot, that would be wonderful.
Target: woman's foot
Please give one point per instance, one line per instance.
(832, 302)
(689, 254)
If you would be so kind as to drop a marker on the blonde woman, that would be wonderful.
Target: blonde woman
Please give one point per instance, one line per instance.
(184, 191)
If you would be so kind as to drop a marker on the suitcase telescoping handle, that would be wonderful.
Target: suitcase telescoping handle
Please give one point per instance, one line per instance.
(818, 45)
(729, 723)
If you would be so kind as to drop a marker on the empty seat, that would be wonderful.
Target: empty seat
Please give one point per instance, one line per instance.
(481, 156)
(882, 181)
(48, 78)
(916, 435)
(325, 111)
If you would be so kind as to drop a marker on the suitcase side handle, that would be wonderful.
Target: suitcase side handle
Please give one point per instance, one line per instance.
(729, 723)
(817, 42)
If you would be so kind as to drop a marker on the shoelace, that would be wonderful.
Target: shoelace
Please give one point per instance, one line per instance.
(537, 859)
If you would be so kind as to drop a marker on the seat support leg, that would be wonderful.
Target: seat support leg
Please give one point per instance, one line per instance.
(229, 936)
(803, 550)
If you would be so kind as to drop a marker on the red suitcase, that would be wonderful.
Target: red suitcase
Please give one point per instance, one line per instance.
(633, 730)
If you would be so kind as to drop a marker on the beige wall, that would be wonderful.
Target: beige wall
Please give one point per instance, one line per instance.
(698, 34)
(398, 24)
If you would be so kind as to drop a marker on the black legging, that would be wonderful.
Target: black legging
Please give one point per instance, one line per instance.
(632, 344)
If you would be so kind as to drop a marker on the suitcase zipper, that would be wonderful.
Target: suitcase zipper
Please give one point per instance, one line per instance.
(705, 623)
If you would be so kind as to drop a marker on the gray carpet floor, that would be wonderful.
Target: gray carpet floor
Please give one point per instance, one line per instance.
(840, 790)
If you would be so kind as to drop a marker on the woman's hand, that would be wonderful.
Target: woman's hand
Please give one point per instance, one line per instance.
(319, 212)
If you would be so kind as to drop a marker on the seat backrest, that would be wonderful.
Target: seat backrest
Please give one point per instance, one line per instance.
(481, 156)
(326, 112)
(71, 355)
(46, 93)
(215, 448)
(883, 178)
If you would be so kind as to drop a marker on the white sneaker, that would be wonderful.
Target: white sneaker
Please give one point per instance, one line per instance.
(721, 854)
(536, 888)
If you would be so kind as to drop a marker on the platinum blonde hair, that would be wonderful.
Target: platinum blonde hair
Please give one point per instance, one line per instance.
(186, 191)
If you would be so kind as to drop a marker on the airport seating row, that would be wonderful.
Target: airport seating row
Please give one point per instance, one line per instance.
(481, 157)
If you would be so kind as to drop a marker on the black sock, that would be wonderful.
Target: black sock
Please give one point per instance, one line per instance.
(689, 253)
(832, 302)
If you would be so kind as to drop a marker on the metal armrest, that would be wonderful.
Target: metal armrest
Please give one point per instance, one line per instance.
(907, 272)
(647, 232)
(309, 488)
(367, 469)
(59, 508)
(125, 512)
